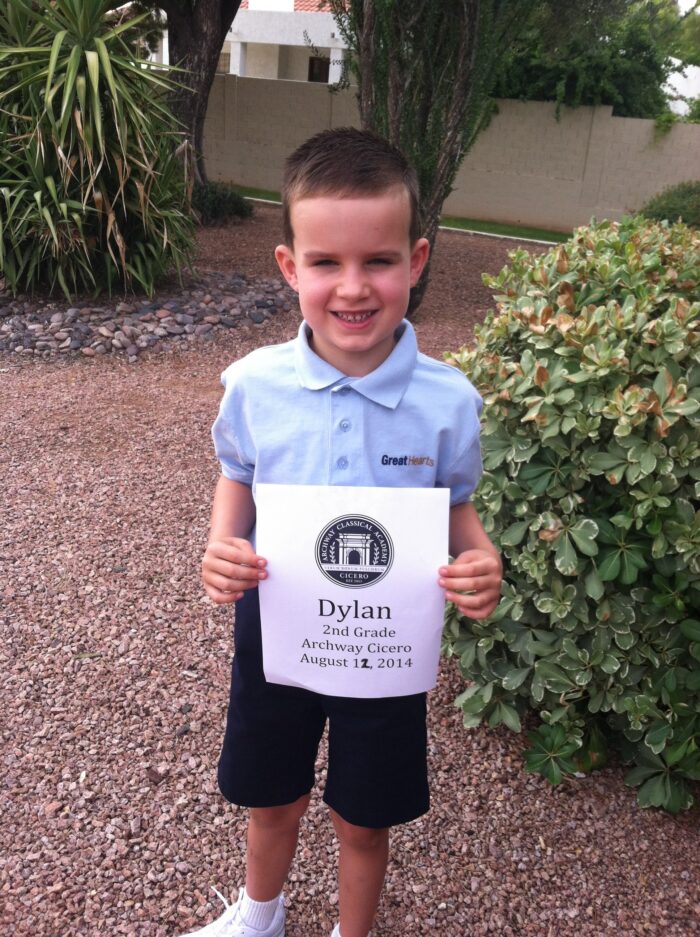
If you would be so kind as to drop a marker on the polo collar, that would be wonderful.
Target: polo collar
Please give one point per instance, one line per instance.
(386, 385)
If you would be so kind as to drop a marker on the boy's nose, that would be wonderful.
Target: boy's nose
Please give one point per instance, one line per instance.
(352, 284)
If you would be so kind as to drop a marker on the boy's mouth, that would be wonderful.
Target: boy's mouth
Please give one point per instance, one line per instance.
(355, 317)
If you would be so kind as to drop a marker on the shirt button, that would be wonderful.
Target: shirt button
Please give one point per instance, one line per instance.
(342, 462)
(345, 425)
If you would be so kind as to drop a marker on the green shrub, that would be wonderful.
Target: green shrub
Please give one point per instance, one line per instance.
(590, 373)
(92, 192)
(214, 202)
(679, 202)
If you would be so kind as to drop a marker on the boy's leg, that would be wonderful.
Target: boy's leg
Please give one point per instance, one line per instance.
(377, 778)
(272, 842)
(268, 756)
(364, 853)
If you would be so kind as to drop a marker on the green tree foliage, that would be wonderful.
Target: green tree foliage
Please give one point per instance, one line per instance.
(590, 373)
(679, 202)
(693, 115)
(686, 39)
(214, 202)
(426, 71)
(92, 192)
(624, 61)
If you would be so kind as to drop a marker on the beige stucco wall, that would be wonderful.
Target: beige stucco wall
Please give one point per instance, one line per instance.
(262, 61)
(526, 167)
(294, 63)
(253, 124)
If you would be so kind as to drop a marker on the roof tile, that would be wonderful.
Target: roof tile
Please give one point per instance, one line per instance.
(300, 6)
(311, 6)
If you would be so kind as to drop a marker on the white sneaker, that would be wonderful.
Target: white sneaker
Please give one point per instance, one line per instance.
(231, 925)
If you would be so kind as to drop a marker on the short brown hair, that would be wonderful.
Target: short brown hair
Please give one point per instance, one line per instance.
(347, 162)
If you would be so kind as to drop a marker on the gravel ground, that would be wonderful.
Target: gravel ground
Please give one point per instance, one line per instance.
(115, 678)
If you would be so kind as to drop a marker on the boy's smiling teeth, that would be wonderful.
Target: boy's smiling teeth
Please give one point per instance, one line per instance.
(355, 316)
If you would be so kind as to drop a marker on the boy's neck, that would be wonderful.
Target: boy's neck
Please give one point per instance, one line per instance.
(353, 365)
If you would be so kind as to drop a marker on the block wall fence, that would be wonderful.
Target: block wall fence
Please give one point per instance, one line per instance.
(526, 168)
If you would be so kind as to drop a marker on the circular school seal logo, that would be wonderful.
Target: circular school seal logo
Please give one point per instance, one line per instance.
(354, 551)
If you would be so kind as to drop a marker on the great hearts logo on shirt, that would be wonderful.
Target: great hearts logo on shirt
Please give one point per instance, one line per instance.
(407, 460)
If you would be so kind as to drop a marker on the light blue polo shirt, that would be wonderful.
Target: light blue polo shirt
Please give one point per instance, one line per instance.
(288, 417)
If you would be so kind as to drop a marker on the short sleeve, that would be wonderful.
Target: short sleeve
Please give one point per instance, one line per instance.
(232, 439)
(464, 467)
(463, 475)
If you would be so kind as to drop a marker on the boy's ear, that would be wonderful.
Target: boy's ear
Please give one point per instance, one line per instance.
(419, 258)
(285, 261)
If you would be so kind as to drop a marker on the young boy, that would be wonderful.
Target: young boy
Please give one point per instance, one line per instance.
(325, 409)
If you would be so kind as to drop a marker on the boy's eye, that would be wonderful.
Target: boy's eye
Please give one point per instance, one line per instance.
(325, 262)
(380, 261)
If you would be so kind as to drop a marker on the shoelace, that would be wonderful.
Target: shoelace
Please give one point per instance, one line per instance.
(227, 904)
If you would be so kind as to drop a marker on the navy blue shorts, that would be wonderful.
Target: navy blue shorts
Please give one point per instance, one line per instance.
(377, 749)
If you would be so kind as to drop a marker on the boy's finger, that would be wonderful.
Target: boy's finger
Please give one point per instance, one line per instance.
(242, 557)
(235, 571)
(229, 583)
(218, 584)
(471, 599)
(478, 614)
(479, 605)
(235, 550)
(466, 584)
(220, 597)
(481, 567)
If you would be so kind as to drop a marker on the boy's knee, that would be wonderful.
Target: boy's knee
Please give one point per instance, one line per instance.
(358, 837)
(282, 817)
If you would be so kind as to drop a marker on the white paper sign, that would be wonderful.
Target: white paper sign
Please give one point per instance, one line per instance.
(351, 605)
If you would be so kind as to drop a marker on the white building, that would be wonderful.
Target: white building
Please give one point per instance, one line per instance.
(293, 40)
(687, 84)
(684, 85)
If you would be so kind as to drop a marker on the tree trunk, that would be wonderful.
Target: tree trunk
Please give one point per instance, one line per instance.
(446, 58)
(195, 37)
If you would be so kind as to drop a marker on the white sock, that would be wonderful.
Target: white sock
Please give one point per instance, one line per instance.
(258, 914)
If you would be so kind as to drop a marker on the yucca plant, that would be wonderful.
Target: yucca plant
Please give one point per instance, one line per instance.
(93, 189)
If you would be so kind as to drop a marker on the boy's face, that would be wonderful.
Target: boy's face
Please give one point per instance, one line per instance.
(353, 265)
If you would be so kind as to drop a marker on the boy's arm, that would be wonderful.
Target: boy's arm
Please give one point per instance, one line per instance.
(473, 580)
(230, 565)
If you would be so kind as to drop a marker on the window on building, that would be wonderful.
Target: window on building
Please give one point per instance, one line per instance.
(318, 68)
(224, 64)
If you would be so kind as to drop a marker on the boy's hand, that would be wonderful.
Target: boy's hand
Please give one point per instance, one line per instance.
(229, 567)
(473, 583)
